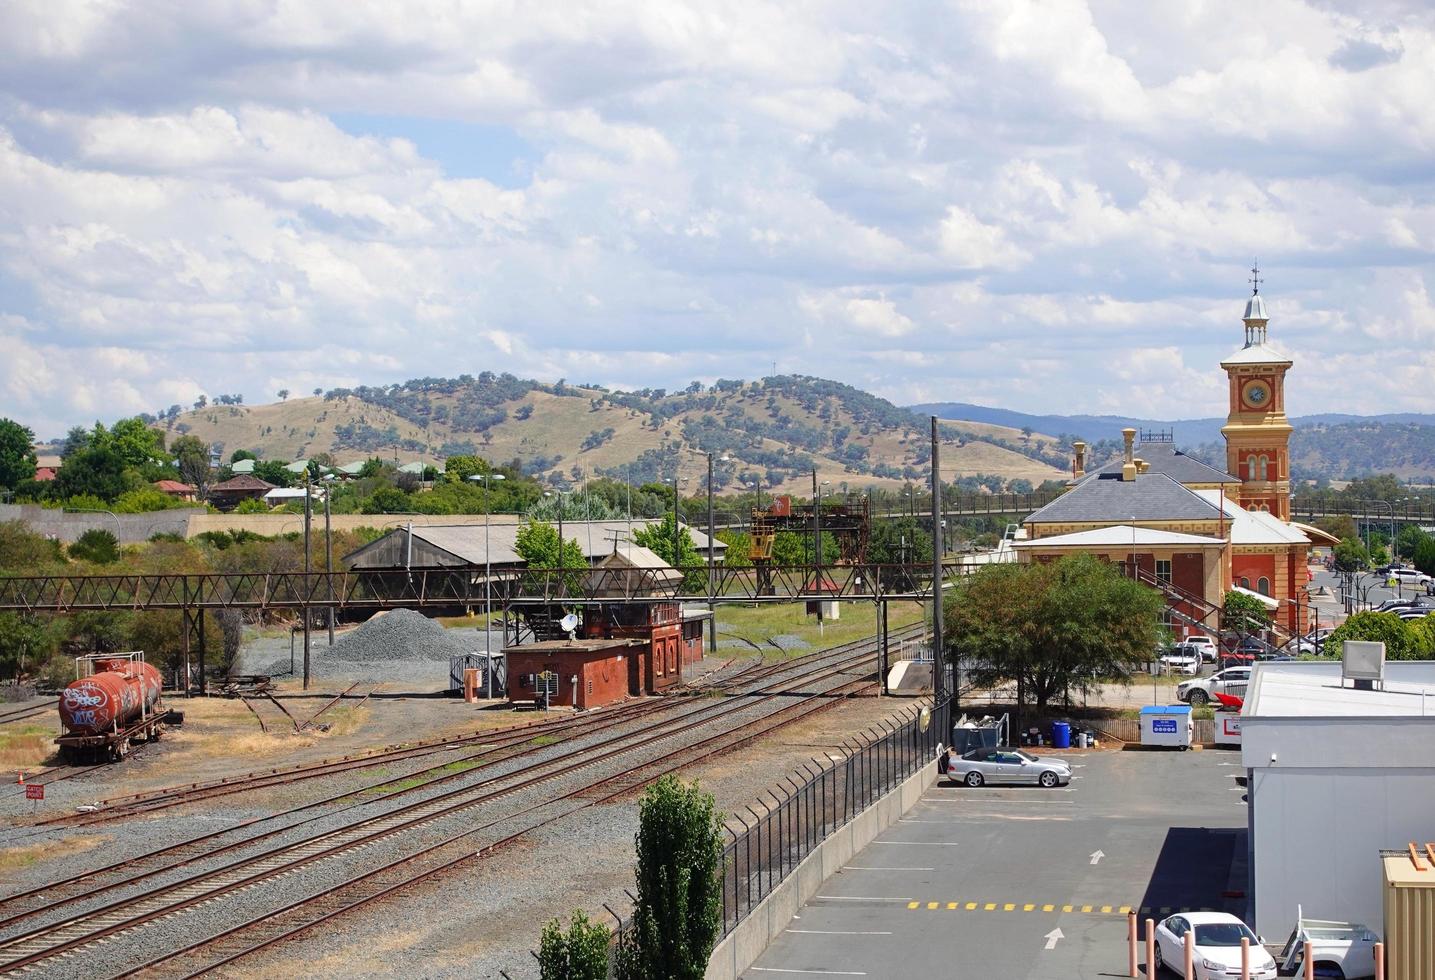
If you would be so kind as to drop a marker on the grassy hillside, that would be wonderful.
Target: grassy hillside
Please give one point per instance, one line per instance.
(775, 430)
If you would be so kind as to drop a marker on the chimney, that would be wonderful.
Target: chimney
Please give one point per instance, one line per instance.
(1141, 465)
(1128, 468)
(1078, 469)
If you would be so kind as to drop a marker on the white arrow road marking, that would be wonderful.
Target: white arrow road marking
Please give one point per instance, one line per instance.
(1096, 856)
(1053, 936)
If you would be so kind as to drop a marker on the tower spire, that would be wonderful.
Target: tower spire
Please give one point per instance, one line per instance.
(1256, 279)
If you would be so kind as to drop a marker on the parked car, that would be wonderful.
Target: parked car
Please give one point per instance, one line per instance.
(1232, 680)
(1204, 644)
(1409, 576)
(1414, 612)
(1182, 660)
(1004, 764)
(1218, 938)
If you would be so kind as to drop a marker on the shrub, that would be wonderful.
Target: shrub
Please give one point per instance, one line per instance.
(96, 545)
(579, 954)
(1382, 627)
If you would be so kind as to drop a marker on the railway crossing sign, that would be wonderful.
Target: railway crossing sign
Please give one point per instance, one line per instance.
(34, 791)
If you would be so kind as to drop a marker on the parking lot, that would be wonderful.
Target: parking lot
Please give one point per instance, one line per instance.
(1031, 883)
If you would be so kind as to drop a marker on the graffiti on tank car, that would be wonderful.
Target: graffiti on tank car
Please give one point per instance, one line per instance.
(83, 718)
(85, 697)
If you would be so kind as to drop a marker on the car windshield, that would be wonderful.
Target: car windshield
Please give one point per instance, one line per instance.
(1027, 756)
(1224, 934)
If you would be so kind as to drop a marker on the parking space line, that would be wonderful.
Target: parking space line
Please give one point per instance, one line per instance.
(857, 867)
(809, 973)
(919, 843)
(834, 932)
(953, 906)
(862, 898)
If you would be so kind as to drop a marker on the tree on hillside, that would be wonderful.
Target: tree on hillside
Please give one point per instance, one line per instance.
(318, 392)
(283, 394)
(678, 912)
(17, 453)
(1051, 627)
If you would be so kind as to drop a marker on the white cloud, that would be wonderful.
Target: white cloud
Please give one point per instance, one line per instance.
(1036, 204)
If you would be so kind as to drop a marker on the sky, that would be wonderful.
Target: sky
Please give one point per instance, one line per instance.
(1042, 205)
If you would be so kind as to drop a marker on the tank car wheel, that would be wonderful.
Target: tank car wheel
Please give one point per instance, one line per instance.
(155, 732)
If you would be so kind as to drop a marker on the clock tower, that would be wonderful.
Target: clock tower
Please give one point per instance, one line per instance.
(1256, 430)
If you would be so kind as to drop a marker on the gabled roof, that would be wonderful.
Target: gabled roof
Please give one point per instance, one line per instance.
(173, 486)
(1253, 526)
(242, 466)
(1110, 500)
(352, 469)
(1118, 536)
(298, 466)
(1165, 458)
(241, 483)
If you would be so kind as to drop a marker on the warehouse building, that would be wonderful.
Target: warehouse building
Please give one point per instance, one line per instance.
(1336, 774)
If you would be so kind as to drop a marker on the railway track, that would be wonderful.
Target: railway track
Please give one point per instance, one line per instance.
(23, 714)
(692, 718)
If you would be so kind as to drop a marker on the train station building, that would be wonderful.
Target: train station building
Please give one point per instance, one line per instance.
(1190, 529)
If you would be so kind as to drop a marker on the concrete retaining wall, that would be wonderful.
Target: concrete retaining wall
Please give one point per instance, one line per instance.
(129, 528)
(763, 924)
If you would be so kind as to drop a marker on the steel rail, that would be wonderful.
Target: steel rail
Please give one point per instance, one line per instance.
(696, 715)
(22, 713)
(628, 781)
(126, 914)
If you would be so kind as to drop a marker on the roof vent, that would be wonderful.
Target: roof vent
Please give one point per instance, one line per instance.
(1363, 661)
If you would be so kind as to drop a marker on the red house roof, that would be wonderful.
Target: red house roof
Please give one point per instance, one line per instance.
(244, 483)
(173, 486)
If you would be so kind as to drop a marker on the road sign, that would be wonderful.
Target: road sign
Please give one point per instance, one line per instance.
(34, 792)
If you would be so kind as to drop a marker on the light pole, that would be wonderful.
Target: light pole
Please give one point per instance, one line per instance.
(113, 516)
(558, 496)
(329, 558)
(712, 606)
(486, 479)
(308, 567)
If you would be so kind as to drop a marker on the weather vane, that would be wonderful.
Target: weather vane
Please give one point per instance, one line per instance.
(1256, 279)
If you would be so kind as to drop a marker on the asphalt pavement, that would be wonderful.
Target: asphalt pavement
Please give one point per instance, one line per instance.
(1028, 883)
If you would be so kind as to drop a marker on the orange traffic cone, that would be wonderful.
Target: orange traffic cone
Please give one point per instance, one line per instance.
(21, 780)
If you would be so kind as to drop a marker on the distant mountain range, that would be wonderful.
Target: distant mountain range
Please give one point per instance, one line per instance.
(1330, 445)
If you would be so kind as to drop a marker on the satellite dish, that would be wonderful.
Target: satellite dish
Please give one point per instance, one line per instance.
(568, 623)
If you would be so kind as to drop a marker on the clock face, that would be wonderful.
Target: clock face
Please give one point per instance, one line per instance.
(1256, 394)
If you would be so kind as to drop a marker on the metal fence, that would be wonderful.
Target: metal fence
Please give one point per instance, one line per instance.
(802, 813)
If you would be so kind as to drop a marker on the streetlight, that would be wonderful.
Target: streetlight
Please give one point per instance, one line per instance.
(487, 479)
(113, 516)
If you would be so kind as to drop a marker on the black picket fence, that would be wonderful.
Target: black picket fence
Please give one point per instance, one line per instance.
(800, 813)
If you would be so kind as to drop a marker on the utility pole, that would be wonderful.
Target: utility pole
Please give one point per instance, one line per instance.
(817, 545)
(308, 567)
(712, 606)
(329, 562)
(937, 654)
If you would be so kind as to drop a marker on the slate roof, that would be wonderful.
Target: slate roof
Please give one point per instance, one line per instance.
(1165, 458)
(1111, 500)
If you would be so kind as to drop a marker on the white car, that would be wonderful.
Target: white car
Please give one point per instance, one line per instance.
(1217, 946)
(1409, 576)
(1205, 645)
(1232, 680)
(1343, 949)
(1182, 660)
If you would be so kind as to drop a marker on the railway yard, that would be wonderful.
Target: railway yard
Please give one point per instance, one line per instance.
(362, 829)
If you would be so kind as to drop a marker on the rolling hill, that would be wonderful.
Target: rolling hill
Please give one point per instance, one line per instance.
(776, 430)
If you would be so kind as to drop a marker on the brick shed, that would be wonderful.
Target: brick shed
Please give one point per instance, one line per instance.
(591, 672)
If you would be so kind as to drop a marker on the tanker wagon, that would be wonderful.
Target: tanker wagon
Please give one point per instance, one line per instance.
(114, 700)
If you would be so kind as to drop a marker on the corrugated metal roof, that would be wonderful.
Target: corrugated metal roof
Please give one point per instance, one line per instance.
(1253, 526)
(1166, 459)
(1149, 497)
(1118, 536)
(465, 542)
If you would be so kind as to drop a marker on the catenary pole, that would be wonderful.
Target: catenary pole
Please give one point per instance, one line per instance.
(308, 567)
(937, 654)
(712, 606)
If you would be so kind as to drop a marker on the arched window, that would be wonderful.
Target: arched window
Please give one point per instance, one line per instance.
(1263, 468)
(1265, 509)
(1251, 467)
(1245, 582)
(1263, 585)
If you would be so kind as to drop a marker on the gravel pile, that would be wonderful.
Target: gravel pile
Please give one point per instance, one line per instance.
(399, 635)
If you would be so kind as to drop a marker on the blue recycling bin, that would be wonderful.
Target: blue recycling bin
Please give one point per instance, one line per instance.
(1060, 735)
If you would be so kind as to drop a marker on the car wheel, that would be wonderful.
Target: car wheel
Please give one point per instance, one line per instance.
(1048, 779)
(1199, 697)
(974, 779)
(1160, 961)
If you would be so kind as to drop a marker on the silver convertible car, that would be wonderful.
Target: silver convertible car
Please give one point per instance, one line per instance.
(1003, 765)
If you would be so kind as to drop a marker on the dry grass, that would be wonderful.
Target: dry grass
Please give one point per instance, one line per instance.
(344, 719)
(26, 745)
(757, 624)
(14, 858)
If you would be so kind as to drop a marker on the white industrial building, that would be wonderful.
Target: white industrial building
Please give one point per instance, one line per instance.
(1336, 774)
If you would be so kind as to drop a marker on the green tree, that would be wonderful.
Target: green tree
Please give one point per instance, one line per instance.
(251, 505)
(675, 547)
(795, 548)
(23, 552)
(133, 441)
(17, 453)
(1422, 637)
(24, 642)
(193, 457)
(274, 471)
(537, 544)
(96, 470)
(1244, 613)
(1425, 556)
(739, 548)
(1382, 627)
(240, 454)
(1052, 627)
(97, 545)
(899, 542)
(678, 911)
(1340, 525)
(1351, 556)
(387, 500)
(581, 953)
(142, 500)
